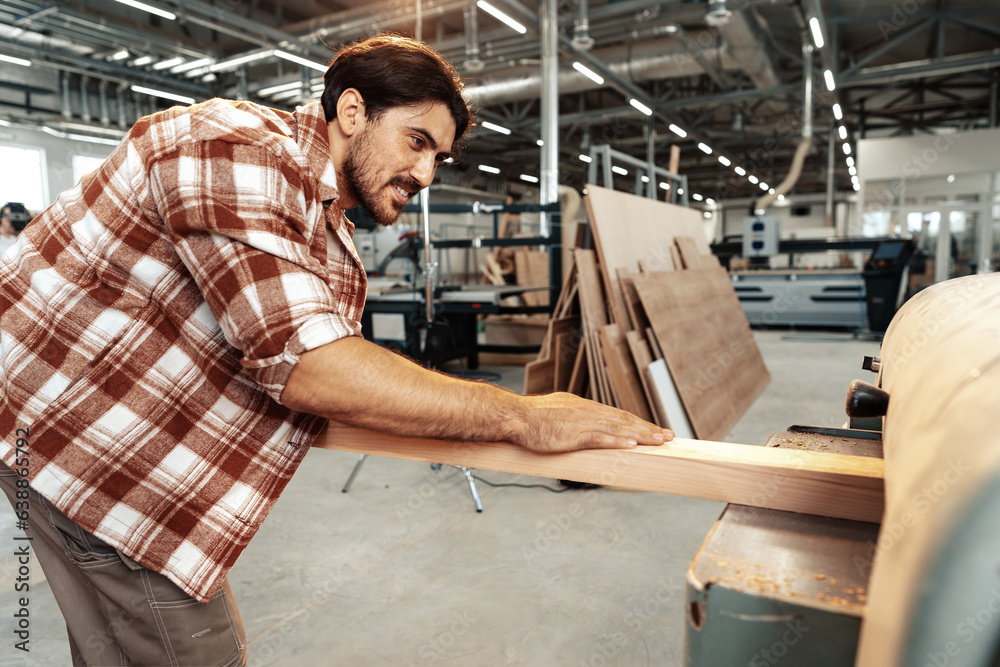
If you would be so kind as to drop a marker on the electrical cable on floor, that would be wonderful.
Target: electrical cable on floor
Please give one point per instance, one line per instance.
(521, 486)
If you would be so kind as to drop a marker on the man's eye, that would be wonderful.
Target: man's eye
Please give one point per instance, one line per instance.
(418, 142)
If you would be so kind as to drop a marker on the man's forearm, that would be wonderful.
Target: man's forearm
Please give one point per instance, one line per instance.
(358, 383)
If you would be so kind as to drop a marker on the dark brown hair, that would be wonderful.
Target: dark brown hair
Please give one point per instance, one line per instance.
(392, 71)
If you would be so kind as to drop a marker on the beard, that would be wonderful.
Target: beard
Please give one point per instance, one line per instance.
(362, 181)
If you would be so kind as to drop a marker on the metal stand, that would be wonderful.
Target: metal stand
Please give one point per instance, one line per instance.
(436, 467)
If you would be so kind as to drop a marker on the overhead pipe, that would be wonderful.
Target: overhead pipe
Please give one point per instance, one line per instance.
(102, 92)
(84, 99)
(805, 143)
(549, 111)
(639, 62)
(472, 63)
(122, 106)
(582, 41)
(67, 101)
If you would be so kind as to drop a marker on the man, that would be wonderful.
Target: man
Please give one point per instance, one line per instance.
(13, 217)
(178, 327)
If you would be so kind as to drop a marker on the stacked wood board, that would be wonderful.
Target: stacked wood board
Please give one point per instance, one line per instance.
(649, 322)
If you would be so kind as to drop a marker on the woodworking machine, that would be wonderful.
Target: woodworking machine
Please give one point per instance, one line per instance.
(922, 588)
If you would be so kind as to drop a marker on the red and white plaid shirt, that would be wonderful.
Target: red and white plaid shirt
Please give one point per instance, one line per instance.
(150, 318)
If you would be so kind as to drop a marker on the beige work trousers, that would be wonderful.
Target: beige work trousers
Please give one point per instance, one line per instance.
(118, 612)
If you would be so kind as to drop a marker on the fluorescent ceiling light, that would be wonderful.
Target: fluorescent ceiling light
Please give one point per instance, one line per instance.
(621, 171)
(529, 178)
(847, 148)
(752, 178)
(280, 88)
(850, 161)
(586, 158)
(162, 13)
(678, 131)
(164, 64)
(590, 74)
(680, 191)
(287, 95)
(770, 191)
(240, 60)
(705, 148)
(15, 61)
(842, 131)
(817, 32)
(781, 197)
(830, 85)
(500, 16)
(159, 93)
(645, 178)
(664, 185)
(640, 106)
(120, 55)
(763, 185)
(724, 160)
(710, 201)
(496, 128)
(194, 64)
(299, 60)
(488, 169)
(740, 170)
(857, 187)
(539, 143)
(838, 113)
(142, 61)
(853, 171)
(696, 197)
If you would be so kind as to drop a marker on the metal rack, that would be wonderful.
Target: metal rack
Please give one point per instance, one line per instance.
(601, 156)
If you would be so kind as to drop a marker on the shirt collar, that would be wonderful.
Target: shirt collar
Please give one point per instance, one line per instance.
(313, 137)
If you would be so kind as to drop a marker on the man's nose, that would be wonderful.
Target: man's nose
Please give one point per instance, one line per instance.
(423, 170)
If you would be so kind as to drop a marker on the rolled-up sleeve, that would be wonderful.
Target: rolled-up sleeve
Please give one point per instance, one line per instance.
(245, 224)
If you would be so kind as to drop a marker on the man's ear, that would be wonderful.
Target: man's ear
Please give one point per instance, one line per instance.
(350, 111)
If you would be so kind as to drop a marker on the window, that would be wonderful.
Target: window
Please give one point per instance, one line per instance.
(83, 165)
(23, 178)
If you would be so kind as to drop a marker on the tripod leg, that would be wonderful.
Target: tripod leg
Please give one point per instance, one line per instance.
(354, 473)
(472, 487)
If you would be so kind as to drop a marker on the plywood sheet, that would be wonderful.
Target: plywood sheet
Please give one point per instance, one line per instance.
(667, 400)
(628, 229)
(835, 485)
(622, 372)
(707, 344)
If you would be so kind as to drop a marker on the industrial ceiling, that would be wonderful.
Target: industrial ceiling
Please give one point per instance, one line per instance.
(633, 74)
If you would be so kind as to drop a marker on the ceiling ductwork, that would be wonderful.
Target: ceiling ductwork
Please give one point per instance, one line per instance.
(644, 61)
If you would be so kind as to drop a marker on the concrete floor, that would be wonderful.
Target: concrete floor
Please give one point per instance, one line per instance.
(403, 571)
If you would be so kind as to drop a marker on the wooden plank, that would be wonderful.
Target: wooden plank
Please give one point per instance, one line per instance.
(834, 485)
(578, 378)
(707, 344)
(532, 270)
(636, 315)
(669, 402)
(628, 228)
(539, 376)
(566, 347)
(654, 345)
(641, 359)
(622, 372)
(691, 255)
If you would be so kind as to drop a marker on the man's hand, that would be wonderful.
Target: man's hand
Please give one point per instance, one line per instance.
(563, 422)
